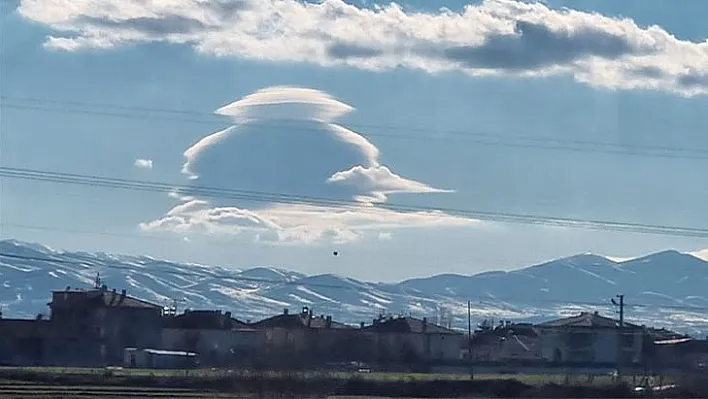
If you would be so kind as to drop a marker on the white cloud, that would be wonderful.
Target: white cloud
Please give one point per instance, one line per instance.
(385, 236)
(143, 163)
(379, 181)
(494, 37)
(301, 223)
(277, 168)
(300, 103)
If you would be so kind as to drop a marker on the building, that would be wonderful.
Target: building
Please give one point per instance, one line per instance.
(92, 327)
(407, 340)
(159, 359)
(302, 339)
(683, 353)
(219, 339)
(506, 343)
(591, 339)
(22, 342)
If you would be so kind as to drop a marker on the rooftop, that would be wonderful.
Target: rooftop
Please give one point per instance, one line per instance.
(162, 352)
(300, 320)
(586, 320)
(205, 319)
(527, 331)
(98, 297)
(408, 325)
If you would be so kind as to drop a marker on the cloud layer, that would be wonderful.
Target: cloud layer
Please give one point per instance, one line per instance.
(495, 37)
(300, 177)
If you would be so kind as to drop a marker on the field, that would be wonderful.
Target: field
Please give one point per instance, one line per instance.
(27, 390)
(41, 382)
(527, 378)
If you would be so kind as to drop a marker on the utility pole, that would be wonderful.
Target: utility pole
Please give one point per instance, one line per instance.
(620, 304)
(469, 319)
(620, 330)
(469, 329)
(469, 338)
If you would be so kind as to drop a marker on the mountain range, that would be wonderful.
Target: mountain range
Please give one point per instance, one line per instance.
(665, 289)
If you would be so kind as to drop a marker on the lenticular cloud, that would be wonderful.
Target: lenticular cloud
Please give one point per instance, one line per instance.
(287, 152)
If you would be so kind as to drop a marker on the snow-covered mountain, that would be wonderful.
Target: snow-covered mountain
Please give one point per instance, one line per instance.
(665, 289)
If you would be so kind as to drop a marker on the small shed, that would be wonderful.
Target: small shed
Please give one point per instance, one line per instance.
(159, 359)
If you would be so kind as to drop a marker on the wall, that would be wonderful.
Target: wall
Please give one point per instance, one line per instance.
(22, 342)
(493, 347)
(94, 335)
(588, 345)
(447, 346)
(215, 347)
(123, 327)
(145, 358)
(415, 347)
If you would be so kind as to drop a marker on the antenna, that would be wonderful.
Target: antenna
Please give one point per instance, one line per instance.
(97, 281)
(172, 305)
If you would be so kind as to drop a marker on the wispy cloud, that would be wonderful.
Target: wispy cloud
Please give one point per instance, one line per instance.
(494, 37)
(143, 163)
(286, 146)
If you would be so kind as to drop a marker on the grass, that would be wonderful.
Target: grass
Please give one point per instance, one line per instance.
(534, 379)
(182, 383)
(40, 391)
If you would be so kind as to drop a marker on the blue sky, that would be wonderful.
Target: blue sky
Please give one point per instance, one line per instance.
(429, 89)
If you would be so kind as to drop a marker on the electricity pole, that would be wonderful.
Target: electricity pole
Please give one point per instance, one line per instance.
(469, 338)
(621, 306)
(469, 319)
(620, 330)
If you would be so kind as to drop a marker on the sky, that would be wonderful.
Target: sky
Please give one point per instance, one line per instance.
(393, 134)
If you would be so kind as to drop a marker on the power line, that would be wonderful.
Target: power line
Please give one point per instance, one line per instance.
(354, 125)
(357, 287)
(174, 272)
(230, 244)
(512, 141)
(282, 198)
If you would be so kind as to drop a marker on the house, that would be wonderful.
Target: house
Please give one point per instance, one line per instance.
(591, 339)
(159, 359)
(92, 327)
(407, 340)
(22, 342)
(505, 343)
(683, 353)
(289, 337)
(219, 339)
